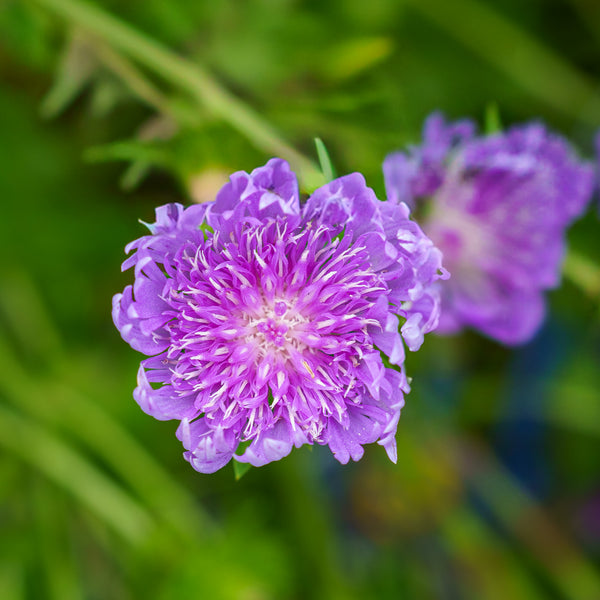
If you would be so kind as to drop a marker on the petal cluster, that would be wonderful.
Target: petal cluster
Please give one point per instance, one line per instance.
(264, 321)
(498, 207)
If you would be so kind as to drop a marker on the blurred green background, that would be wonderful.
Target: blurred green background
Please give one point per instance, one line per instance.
(496, 493)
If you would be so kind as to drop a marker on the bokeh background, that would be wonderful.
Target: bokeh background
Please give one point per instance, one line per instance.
(496, 494)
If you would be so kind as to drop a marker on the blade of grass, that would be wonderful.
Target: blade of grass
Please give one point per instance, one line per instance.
(12, 579)
(324, 160)
(64, 466)
(37, 333)
(493, 570)
(240, 469)
(80, 416)
(74, 73)
(536, 67)
(312, 527)
(83, 419)
(143, 88)
(522, 517)
(492, 120)
(526, 520)
(62, 580)
(186, 76)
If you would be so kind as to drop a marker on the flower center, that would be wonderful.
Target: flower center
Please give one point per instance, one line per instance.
(461, 237)
(275, 330)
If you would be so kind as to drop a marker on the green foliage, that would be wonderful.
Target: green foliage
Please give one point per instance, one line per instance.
(324, 160)
(95, 499)
(492, 121)
(240, 469)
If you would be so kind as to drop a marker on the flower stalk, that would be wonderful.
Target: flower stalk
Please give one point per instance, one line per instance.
(188, 77)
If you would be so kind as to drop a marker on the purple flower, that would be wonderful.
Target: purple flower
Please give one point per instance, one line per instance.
(498, 207)
(597, 165)
(265, 322)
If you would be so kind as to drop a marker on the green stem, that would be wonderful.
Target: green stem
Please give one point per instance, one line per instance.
(142, 88)
(535, 66)
(186, 76)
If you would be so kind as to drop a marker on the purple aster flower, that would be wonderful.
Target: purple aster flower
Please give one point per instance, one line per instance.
(498, 207)
(265, 322)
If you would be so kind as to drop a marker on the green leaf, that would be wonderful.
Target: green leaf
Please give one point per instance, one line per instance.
(324, 160)
(352, 57)
(106, 93)
(493, 123)
(66, 467)
(240, 469)
(583, 272)
(75, 72)
(533, 64)
(130, 150)
(134, 175)
(185, 75)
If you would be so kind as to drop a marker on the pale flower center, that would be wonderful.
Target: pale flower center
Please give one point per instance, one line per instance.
(465, 239)
(462, 239)
(275, 330)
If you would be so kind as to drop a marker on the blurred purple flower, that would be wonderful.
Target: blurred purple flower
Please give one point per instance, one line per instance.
(498, 207)
(265, 322)
(597, 163)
